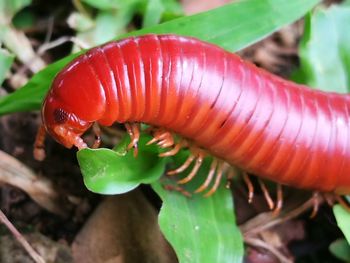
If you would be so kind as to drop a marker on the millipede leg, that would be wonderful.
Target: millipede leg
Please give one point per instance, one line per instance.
(78, 142)
(316, 204)
(183, 167)
(97, 131)
(173, 151)
(249, 186)
(133, 130)
(163, 137)
(194, 171)
(221, 168)
(329, 197)
(39, 144)
(230, 175)
(279, 201)
(266, 194)
(153, 140)
(165, 143)
(209, 177)
(177, 189)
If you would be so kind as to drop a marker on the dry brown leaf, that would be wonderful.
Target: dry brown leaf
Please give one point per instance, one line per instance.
(123, 228)
(40, 189)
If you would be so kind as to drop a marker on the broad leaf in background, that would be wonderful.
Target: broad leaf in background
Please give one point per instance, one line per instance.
(156, 11)
(200, 229)
(341, 249)
(153, 13)
(108, 4)
(117, 171)
(9, 8)
(232, 26)
(325, 50)
(6, 60)
(343, 220)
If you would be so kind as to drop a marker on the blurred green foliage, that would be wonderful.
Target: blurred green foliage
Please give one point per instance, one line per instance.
(325, 50)
(341, 249)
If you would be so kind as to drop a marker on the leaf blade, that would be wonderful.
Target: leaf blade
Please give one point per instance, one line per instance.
(324, 50)
(107, 171)
(343, 220)
(204, 230)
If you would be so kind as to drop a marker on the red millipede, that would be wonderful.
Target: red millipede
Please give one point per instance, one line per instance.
(218, 103)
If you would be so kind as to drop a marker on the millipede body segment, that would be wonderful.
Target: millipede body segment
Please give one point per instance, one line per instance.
(233, 110)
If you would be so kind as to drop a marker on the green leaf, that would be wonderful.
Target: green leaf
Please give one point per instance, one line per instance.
(153, 13)
(172, 9)
(24, 19)
(108, 5)
(8, 8)
(117, 171)
(80, 22)
(325, 50)
(6, 60)
(200, 229)
(156, 11)
(237, 25)
(108, 24)
(346, 2)
(341, 249)
(233, 27)
(343, 220)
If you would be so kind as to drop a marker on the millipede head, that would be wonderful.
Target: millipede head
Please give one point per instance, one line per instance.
(64, 126)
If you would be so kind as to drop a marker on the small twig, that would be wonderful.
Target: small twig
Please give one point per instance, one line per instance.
(49, 31)
(39, 188)
(292, 214)
(59, 41)
(35, 256)
(255, 242)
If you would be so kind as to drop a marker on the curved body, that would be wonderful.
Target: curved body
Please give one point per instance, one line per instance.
(253, 119)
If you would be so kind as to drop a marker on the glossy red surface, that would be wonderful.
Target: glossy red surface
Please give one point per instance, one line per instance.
(252, 119)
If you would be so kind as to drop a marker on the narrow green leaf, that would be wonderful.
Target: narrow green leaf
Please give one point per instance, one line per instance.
(107, 5)
(117, 171)
(233, 27)
(24, 19)
(172, 10)
(8, 8)
(237, 25)
(6, 60)
(343, 220)
(200, 229)
(341, 249)
(325, 50)
(153, 13)
(80, 22)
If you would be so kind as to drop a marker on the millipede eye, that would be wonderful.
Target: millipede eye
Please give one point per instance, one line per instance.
(60, 116)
